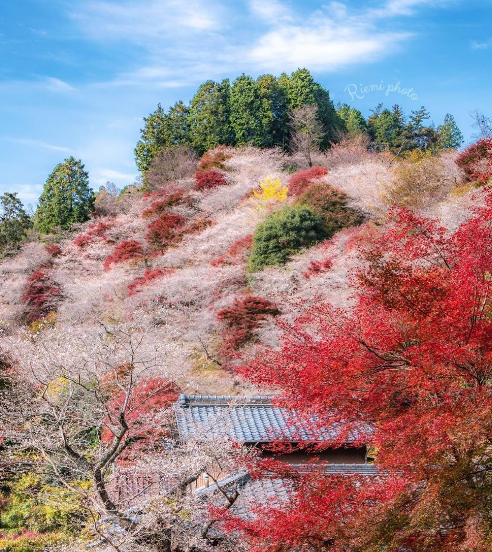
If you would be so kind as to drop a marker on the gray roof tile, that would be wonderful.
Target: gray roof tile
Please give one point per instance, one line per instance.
(245, 419)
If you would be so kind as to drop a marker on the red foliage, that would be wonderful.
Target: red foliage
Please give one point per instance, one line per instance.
(243, 318)
(206, 180)
(167, 200)
(123, 252)
(408, 369)
(146, 401)
(148, 277)
(321, 511)
(236, 254)
(54, 250)
(214, 159)
(318, 267)
(163, 229)
(194, 227)
(476, 161)
(82, 240)
(41, 295)
(97, 230)
(300, 181)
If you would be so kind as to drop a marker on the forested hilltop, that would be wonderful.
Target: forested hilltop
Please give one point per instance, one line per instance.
(275, 244)
(262, 113)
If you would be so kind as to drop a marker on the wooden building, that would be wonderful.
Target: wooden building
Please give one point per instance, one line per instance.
(256, 421)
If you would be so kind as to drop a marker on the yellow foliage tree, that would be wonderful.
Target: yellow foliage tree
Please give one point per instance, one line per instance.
(270, 195)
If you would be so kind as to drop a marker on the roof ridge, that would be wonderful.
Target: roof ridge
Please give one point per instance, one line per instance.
(184, 400)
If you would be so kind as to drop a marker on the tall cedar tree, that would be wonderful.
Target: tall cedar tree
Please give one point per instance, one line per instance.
(210, 116)
(154, 137)
(258, 113)
(14, 222)
(449, 135)
(353, 119)
(386, 128)
(66, 198)
(246, 112)
(408, 369)
(274, 112)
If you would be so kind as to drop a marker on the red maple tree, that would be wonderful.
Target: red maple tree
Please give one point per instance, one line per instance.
(476, 161)
(408, 369)
(139, 405)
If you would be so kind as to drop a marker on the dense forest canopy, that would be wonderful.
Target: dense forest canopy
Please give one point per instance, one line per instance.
(257, 112)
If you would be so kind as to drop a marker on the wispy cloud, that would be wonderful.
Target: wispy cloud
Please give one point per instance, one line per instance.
(37, 144)
(100, 176)
(272, 12)
(482, 45)
(57, 85)
(134, 21)
(325, 47)
(330, 38)
(28, 193)
(334, 36)
(392, 8)
(39, 83)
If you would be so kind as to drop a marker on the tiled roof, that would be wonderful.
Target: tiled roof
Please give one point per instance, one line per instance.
(244, 419)
(274, 490)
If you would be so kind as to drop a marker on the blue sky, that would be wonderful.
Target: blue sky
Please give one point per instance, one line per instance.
(77, 76)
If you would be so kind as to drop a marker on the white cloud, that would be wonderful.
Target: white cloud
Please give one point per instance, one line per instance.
(482, 45)
(57, 85)
(143, 23)
(187, 42)
(333, 37)
(99, 177)
(337, 10)
(28, 193)
(272, 11)
(37, 144)
(326, 47)
(392, 8)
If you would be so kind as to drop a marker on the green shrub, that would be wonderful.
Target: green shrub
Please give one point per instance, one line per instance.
(331, 205)
(33, 505)
(282, 234)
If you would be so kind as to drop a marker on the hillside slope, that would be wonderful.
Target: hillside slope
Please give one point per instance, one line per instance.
(175, 292)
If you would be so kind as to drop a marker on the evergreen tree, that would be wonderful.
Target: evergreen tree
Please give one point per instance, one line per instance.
(274, 112)
(353, 119)
(424, 137)
(14, 222)
(284, 233)
(66, 198)
(449, 135)
(383, 127)
(301, 89)
(246, 114)
(401, 137)
(210, 116)
(154, 136)
(178, 125)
